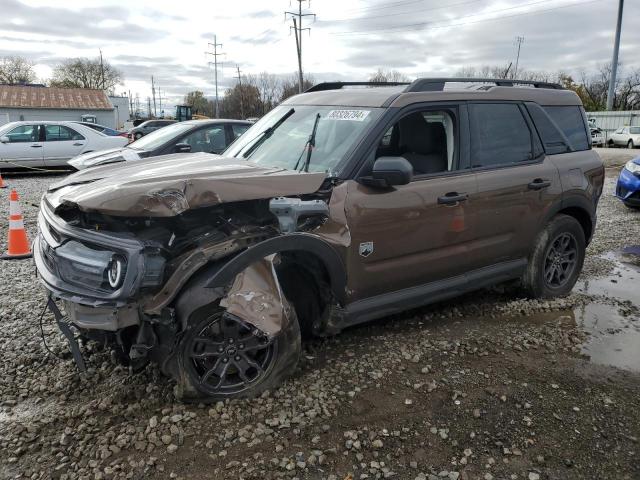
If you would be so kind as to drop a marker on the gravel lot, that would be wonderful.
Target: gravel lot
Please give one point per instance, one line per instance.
(488, 386)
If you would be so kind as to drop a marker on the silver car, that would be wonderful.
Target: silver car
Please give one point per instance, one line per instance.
(625, 137)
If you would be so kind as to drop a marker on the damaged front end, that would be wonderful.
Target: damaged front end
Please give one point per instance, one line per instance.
(145, 283)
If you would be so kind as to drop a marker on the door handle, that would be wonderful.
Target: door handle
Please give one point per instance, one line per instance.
(451, 198)
(78, 144)
(36, 146)
(539, 184)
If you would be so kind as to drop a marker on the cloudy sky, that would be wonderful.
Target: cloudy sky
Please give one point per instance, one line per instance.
(348, 39)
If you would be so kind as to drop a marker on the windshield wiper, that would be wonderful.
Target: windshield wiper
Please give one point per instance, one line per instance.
(262, 136)
(309, 146)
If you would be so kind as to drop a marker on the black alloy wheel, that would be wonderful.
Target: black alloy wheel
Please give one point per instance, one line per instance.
(226, 356)
(561, 260)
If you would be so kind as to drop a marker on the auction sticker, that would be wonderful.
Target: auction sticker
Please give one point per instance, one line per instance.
(353, 115)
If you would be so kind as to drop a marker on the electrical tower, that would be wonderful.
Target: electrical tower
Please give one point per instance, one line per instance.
(241, 94)
(215, 54)
(297, 30)
(519, 41)
(153, 92)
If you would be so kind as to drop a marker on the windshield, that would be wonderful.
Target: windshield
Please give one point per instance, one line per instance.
(338, 130)
(161, 136)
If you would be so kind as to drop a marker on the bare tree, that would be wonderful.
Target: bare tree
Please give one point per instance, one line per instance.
(270, 89)
(198, 103)
(86, 73)
(382, 75)
(242, 100)
(289, 86)
(16, 70)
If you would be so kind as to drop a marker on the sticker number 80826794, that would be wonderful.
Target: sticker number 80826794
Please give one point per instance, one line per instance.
(353, 115)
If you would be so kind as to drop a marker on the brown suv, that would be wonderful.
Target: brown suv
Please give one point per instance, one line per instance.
(342, 205)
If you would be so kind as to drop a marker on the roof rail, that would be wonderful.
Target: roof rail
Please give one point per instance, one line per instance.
(437, 84)
(338, 85)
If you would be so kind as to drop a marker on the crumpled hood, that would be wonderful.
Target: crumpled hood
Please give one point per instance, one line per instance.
(168, 185)
(102, 157)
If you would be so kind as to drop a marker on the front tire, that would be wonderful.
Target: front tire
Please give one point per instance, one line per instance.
(556, 260)
(221, 356)
(137, 136)
(630, 144)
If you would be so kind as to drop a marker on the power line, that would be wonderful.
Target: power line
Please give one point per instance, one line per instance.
(387, 15)
(215, 55)
(297, 30)
(429, 26)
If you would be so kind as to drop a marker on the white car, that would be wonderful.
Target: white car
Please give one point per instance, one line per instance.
(625, 137)
(49, 144)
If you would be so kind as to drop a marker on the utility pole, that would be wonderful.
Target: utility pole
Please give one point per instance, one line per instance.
(241, 94)
(102, 69)
(160, 98)
(130, 103)
(519, 40)
(148, 107)
(215, 54)
(614, 61)
(297, 30)
(153, 92)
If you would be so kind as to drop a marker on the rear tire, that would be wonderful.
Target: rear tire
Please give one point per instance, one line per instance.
(137, 136)
(556, 260)
(630, 144)
(246, 367)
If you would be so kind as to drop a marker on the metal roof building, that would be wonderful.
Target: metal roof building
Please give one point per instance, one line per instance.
(24, 102)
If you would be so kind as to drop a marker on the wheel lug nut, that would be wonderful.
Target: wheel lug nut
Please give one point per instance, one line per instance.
(237, 359)
(220, 349)
(241, 345)
(231, 340)
(225, 360)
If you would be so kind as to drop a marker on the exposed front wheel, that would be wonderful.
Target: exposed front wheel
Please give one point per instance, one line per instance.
(137, 136)
(222, 356)
(556, 260)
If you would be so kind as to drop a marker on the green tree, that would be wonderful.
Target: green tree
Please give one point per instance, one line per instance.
(198, 103)
(16, 70)
(86, 73)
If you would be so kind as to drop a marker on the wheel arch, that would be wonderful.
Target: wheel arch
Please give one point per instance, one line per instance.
(208, 284)
(579, 208)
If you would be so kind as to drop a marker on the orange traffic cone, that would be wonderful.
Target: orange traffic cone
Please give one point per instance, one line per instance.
(17, 238)
(2, 185)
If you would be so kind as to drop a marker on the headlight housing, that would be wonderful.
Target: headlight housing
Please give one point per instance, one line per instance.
(115, 271)
(632, 167)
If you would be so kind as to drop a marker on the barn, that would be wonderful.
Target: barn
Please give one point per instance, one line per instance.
(26, 102)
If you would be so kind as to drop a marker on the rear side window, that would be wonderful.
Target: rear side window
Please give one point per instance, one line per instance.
(499, 134)
(570, 120)
(635, 130)
(553, 139)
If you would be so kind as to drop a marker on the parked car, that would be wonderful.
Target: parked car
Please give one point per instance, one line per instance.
(110, 132)
(597, 137)
(625, 137)
(50, 144)
(210, 136)
(338, 207)
(628, 186)
(147, 127)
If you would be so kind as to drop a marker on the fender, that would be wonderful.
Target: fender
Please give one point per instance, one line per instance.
(301, 242)
(572, 201)
(208, 284)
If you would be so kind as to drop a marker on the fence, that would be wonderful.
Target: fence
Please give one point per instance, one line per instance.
(610, 121)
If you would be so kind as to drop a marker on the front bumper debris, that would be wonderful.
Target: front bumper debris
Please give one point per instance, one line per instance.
(65, 328)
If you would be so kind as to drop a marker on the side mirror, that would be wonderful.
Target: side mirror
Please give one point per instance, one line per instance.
(5, 139)
(390, 171)
(182, 148)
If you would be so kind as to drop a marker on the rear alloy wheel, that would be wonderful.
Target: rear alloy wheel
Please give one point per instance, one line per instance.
(223, 356)
(630, 144)
(137, 136)
(556, 261)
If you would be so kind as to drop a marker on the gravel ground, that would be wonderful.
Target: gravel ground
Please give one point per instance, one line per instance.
(488, 386)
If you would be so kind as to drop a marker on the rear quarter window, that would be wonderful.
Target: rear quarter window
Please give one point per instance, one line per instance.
(571, 121)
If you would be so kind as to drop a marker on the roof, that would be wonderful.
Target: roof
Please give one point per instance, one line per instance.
(398, 96)
(20, 96)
